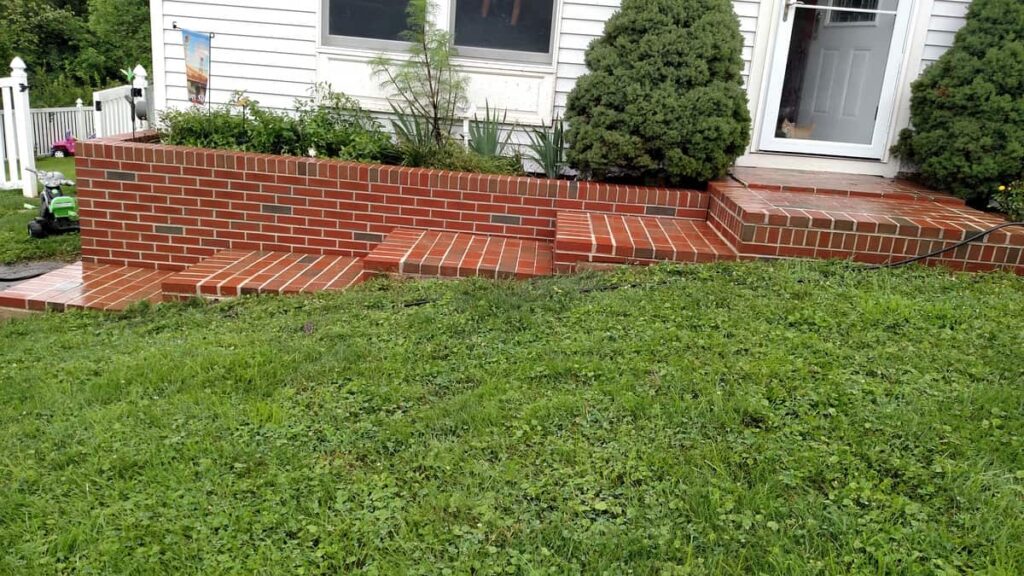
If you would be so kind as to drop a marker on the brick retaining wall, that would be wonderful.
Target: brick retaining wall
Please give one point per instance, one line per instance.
(146, 204)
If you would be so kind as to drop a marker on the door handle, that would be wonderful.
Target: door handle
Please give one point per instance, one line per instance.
(790, 4)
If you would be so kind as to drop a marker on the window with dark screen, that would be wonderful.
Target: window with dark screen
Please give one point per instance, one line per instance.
(508, 25)
(376, 19)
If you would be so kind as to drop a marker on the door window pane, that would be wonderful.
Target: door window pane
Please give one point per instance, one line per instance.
(843, 17)
(519, 25)
(834, 74)
(378, 19)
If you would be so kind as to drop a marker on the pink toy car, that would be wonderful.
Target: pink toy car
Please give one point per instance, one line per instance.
(65, 147)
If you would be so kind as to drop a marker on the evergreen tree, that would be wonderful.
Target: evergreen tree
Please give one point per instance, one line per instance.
(967, 109)
(664, 94)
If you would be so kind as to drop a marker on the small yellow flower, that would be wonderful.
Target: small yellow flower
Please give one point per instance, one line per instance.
(1002, 188)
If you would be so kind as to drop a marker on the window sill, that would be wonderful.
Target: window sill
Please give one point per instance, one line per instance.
(525, 91)
(469, 62)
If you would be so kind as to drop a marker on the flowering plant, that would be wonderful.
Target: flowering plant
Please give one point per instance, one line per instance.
(1010, 199)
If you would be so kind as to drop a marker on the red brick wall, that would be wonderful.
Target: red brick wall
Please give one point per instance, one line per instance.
(167, 206)
(841, 236)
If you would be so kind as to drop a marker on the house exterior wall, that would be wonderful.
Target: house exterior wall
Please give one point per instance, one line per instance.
(273, 51)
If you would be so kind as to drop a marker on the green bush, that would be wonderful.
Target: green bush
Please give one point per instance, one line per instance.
(967, 109)
(664, 95)
(328, 125)
(334, 125)
(331, 125)
(243, 125)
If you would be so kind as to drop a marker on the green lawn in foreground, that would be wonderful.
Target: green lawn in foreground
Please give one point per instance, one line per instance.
(787, 418)
(15, 244)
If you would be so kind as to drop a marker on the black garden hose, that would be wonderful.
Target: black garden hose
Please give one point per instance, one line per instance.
(933, 253)
(25, 277)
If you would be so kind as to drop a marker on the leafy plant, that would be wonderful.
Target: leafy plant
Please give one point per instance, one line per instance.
(967, 108)
(329, 124)
(548, 148)
(73, 47)
(485, 136)
(664, 95)
(426, 85)
(1010, 199)
(335, 125)
(415, 141)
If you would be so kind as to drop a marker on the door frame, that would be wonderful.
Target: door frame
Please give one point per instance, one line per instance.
(890, 100)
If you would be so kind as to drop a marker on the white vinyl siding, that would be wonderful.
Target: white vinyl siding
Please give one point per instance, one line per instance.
(270, 48)
(264, 47)
(946, 19)
(583, 20)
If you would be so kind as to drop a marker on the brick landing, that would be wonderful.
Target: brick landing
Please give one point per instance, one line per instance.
(829, 183)
(454, 254)
(232, 273)
(96, 286)
(612, 238)
(867, 229)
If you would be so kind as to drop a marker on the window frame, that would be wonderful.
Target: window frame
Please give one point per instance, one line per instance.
(328, 40)
(502, 55)
(357, 42)
(835, 8)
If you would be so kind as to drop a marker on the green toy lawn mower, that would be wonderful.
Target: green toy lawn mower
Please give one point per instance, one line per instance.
(58, 214)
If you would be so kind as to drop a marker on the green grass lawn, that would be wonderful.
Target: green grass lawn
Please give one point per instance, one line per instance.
(787, 418)
(15, 244)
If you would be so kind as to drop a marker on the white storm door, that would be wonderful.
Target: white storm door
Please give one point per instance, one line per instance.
(833, 76)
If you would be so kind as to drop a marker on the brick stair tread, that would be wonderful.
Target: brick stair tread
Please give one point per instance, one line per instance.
(617, 238)
(785, 224)
(422, 252)
(236, 272)
(93, 286)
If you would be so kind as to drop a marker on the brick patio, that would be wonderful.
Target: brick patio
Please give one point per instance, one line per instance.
(161, 222)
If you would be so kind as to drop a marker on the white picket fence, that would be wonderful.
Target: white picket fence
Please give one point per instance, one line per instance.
(26, 134)
(17, 154)
(112, 109)
(50, 125)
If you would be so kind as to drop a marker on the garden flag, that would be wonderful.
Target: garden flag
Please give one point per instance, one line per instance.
(197, 64)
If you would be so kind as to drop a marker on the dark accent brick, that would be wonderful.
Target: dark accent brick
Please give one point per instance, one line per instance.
(120, 176)
(660, 211)
(747, 233)
(308, 259)
(301, 169)
(504, 219)
(368, 237)
(275, 209)
(173, 230)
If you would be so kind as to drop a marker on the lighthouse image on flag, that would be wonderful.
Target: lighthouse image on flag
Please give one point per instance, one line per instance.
(197, 65)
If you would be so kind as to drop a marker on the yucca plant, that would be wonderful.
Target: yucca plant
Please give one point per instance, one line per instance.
(485, 136)
(548, 148)
(415, 138)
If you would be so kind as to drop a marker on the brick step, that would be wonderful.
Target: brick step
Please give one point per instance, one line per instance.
(93, 286)
(455, 254)
(834, 184)
(619, 239)
(236, 272)
(786, 224)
